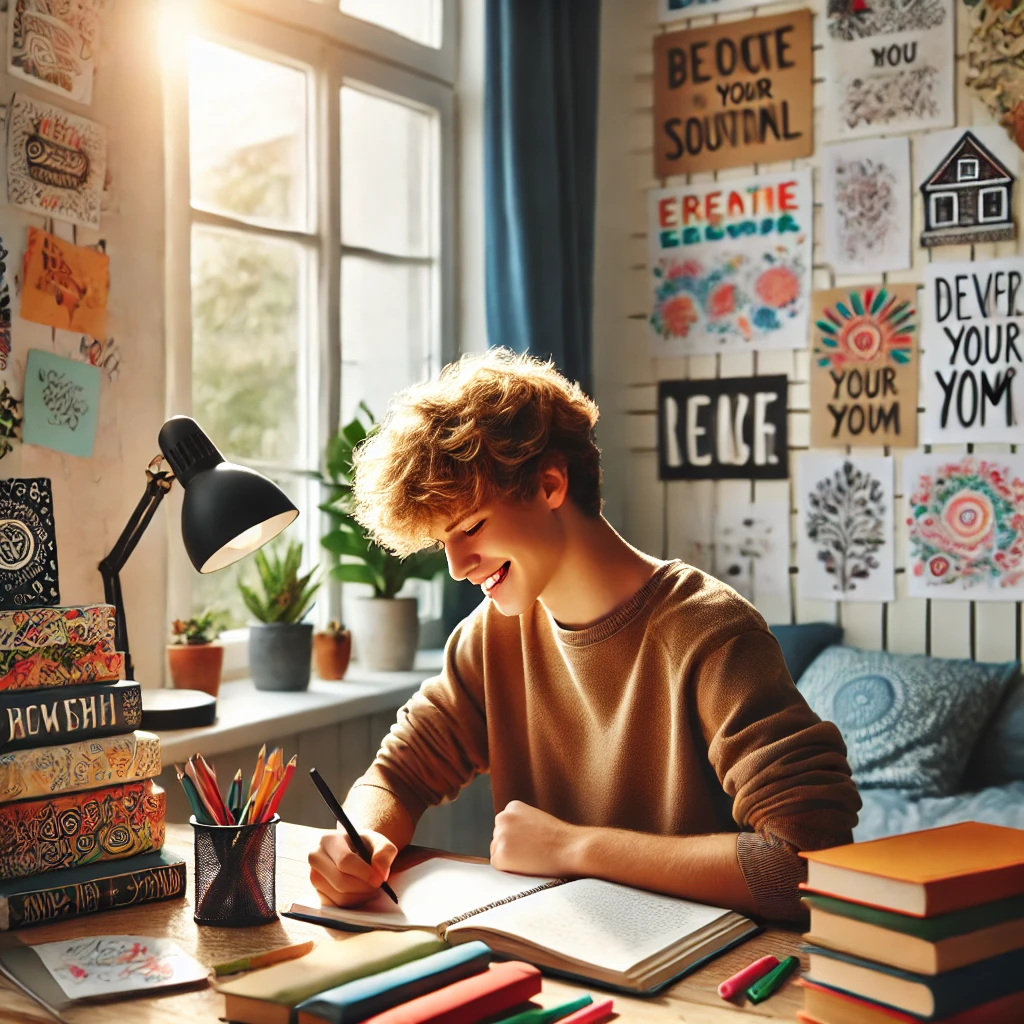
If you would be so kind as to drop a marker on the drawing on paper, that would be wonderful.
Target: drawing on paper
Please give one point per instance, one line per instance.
(966, 523)
(28, 544)
(865, 195)
(867, 327)
(107, 965)
(730, 265)
(10, 420)
(861, 19)
(846, 523)
(56, 162)
(995, 63)
(890, 98)
(61, 403)
(752, 549)
(104, 354)
(64, 399)
(52, 44)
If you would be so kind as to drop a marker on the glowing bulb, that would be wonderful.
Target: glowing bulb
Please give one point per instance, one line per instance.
(247, 538)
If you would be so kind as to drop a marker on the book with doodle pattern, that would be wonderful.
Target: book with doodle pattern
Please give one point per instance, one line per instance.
(42, 627)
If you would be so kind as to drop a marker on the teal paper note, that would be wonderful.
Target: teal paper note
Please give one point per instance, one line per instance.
(62, 399)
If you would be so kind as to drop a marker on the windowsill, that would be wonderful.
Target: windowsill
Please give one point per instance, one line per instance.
(247, 716)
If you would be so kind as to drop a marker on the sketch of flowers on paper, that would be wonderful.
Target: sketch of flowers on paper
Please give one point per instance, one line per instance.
(846, 522)
(738, 298)
(861, 19)
(880, 99)
(868, 325)
(966, 524)
(865, 197)
(752, 549)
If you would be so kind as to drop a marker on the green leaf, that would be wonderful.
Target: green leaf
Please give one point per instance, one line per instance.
(351, 572)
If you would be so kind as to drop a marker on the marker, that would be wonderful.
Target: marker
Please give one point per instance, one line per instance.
(539, 1015)
(772, 981)
(732, 987)
(590, 1014)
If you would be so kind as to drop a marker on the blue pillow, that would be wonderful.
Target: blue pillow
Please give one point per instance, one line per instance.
(998, 757)
(802, 644)
(909, 721)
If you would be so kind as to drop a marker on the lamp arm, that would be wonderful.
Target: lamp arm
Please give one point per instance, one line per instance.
(158, 483)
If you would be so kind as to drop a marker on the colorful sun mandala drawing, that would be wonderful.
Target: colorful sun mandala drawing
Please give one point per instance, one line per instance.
(967, 525)
(871, 326)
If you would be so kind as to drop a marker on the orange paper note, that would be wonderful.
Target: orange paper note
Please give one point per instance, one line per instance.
(66, 285)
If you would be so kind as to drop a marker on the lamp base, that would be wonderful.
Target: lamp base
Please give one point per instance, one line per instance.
(177, 709)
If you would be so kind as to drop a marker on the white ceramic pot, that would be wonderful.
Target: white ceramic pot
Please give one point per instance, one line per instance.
(385, 631)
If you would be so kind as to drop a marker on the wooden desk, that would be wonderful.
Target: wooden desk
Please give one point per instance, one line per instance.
(693, 1000)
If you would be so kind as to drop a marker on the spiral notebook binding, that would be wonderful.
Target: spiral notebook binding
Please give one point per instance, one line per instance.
(498, 903)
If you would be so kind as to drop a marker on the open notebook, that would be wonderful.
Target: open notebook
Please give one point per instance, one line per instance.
(627, 939)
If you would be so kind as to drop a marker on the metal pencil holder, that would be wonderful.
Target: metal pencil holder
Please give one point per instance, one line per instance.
(235, 869)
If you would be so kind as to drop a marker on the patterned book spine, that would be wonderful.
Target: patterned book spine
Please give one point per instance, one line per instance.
(41, 718)
(48, 771)
(68, 665)
(165, 881)
(40, 627)
(81, 828)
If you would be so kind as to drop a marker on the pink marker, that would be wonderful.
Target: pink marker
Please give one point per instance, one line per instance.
(742, 981)
(590, 1014)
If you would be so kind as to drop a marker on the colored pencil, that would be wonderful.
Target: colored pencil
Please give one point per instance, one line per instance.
(211, 777)
(235, 796)
(200, 787)
(193, 797)
(257, 773)
(272, 956)
(278, 794)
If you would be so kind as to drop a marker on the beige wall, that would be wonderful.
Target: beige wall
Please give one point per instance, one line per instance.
(675, 519)
(94, 497)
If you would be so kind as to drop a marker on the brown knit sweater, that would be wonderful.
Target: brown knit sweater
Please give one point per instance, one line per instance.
(675, 715)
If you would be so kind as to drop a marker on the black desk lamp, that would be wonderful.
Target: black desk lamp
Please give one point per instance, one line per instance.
(228, 511)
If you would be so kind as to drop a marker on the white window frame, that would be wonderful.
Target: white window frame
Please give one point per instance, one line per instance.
(1000, 190)
(961, 168)
(307, 34)
(934, 199)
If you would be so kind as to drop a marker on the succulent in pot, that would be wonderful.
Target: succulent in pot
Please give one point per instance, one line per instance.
(332, 648)
(193, 655)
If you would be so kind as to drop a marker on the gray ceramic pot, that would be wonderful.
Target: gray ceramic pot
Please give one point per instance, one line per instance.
(280, 655)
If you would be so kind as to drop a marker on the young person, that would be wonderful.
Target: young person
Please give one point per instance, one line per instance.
(636, 715)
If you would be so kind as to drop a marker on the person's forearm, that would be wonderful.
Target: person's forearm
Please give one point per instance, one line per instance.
(376, 809)
(701, 868)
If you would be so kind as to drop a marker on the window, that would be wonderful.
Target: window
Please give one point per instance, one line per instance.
(310, 229)
(945, 209)
(967, 170)
(992, 204)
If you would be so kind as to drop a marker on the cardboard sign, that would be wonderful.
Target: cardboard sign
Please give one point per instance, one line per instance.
(733, 94)
(730, 264)
(973, 344)
(864, 366)
(730, 428)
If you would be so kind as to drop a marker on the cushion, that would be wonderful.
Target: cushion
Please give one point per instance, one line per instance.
(802, 644)
(909, 721)
(998, 757)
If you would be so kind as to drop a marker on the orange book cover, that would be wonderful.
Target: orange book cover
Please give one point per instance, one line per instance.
(956, 865)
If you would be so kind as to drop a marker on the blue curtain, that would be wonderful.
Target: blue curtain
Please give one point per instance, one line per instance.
(540, 147)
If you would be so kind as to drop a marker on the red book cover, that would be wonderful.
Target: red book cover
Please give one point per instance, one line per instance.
(80, 828)
(58, 665)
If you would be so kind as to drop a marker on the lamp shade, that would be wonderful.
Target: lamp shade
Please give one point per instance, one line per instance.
(228, 510)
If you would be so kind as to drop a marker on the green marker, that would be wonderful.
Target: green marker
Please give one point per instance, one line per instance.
(766, 986)
(539, 1015)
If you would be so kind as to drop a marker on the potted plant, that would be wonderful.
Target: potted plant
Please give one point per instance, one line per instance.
(194, 658)
(332, 648)
(385, 627)
(280, 643)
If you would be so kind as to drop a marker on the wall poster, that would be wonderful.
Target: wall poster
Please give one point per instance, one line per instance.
(734, 94)
(752, 549)
(891, 67)
(28, 544)
(864, 366)
(730, 264)
(973, 351)
(673, 10)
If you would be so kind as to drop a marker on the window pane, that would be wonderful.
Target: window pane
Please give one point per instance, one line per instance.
(388, 175)
(387, 329)
(247, 136)
(419, 20)
(247, 330)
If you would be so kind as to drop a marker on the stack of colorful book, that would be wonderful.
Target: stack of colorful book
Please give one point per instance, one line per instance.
(927, 926)
(81, 819)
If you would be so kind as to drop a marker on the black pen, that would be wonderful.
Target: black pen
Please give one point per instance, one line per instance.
(338, 811)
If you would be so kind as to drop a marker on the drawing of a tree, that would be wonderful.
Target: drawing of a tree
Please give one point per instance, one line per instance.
(845, 519)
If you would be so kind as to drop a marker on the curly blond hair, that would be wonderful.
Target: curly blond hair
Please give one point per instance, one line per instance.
(481, 431)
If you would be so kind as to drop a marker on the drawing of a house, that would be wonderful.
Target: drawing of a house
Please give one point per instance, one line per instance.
(968, 197)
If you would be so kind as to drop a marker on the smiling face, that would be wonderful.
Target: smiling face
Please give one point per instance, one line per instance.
(510, 549)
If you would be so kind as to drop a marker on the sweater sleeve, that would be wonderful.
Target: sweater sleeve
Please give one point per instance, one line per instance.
(783, 767)
(439, 741)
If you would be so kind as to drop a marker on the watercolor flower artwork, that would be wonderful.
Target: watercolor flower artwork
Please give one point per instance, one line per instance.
(845, 545)
(966, 526)
(870, 326)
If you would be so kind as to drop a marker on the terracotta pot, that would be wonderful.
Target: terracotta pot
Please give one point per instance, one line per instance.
(196, 666)
(332, 651)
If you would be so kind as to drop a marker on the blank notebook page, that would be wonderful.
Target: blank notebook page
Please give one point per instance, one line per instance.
(608, 925)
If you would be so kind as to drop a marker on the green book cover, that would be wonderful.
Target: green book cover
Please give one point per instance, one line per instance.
(931, 929)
